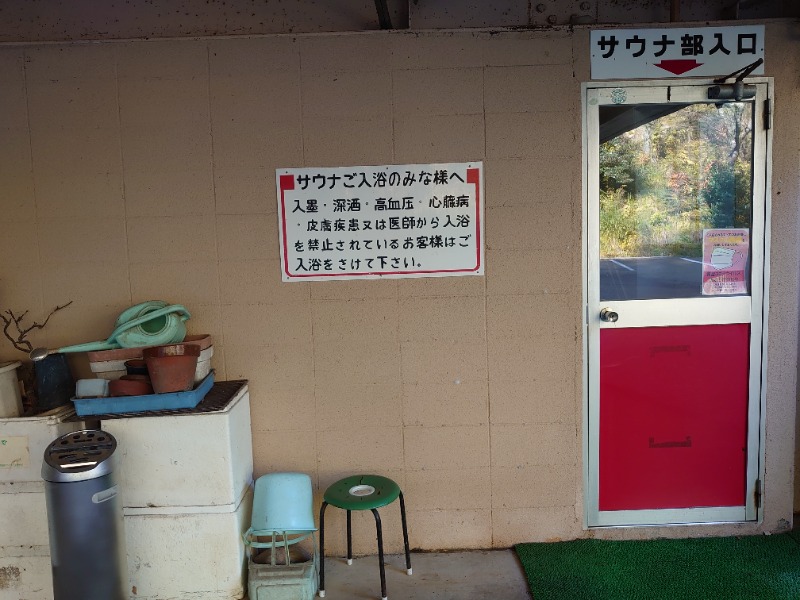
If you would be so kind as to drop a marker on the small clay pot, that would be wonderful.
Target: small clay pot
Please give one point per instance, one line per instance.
(172, 367)
(145, 378)
(129, 387)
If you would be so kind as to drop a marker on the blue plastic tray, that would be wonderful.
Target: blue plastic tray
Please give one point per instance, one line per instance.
(131, 404)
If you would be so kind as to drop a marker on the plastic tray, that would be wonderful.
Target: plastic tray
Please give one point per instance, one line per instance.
(132, 404)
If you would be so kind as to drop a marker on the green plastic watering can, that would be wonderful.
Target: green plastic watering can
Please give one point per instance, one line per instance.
(151, 323)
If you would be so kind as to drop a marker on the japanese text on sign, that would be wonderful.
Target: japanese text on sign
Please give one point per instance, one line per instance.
(664, 53)
(385, 221)
(725, 261)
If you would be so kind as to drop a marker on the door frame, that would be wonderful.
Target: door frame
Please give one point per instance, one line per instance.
(760, 303)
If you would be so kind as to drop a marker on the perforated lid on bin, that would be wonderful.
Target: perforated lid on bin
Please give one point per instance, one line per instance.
(79, 456)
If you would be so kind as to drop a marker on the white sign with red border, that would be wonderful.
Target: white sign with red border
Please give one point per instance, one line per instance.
(379, 222)
(675, 52)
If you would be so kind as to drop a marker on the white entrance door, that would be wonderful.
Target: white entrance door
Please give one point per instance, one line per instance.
(675, 279)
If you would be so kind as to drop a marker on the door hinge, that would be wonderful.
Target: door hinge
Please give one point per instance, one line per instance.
(758, 493)
(768, 113)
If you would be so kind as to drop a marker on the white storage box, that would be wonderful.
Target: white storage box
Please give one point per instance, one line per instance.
(23, 515)
(25, 571)
(187, 460)
(27, 574)
(188, 555)
(24, 439)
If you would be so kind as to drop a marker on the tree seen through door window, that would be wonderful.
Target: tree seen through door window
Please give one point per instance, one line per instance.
(665, 180)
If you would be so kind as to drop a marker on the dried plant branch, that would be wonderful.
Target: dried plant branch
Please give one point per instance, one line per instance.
(6, 325)
(36, 325)
(19, 340)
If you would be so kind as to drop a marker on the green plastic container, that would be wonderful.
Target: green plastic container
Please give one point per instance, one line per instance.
(152, 323)
(281, 582)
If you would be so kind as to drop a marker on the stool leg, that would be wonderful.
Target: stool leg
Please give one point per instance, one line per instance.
(349, 540)
(405, 533)
(380, 552)
(322, 550)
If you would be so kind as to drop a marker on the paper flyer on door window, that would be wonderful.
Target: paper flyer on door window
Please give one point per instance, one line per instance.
(725, 257)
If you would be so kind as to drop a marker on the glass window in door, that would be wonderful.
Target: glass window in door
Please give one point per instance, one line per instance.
(675, 200)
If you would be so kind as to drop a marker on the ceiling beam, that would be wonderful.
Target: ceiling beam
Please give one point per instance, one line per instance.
(383, 14)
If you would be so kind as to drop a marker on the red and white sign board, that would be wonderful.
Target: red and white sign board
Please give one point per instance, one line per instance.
(378, 222)
(676, 52)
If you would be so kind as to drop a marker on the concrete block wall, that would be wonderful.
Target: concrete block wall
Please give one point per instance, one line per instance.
(146, 169)
(784, 317)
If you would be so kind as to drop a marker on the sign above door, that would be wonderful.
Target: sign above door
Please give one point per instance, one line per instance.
(677, 52)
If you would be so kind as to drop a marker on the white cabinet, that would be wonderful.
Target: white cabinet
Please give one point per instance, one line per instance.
(185, 486)
(186, 459)
(24, 543)
(188, 555)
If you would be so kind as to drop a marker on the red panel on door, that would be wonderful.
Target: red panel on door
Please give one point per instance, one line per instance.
(673, 416)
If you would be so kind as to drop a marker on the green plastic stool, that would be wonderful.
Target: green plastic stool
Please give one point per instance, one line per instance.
(362, 492)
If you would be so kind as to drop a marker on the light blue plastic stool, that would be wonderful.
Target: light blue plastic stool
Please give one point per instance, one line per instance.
(282, 512)
(282, 507)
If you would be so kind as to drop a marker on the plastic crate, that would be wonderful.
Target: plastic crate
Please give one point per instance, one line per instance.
(283, 582)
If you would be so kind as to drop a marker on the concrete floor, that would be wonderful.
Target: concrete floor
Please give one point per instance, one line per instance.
(477, 575)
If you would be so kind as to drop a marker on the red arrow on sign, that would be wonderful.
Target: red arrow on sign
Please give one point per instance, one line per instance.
(678, 66)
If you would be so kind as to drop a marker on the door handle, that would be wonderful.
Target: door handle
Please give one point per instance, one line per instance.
(608, 315)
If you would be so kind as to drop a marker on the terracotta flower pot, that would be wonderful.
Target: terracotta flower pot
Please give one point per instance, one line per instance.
(171, 368)
(128, 387)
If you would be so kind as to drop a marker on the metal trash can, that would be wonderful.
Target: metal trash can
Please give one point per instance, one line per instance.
(84, 517)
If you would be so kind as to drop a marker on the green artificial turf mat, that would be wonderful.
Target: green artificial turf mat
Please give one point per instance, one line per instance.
(731, 568)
